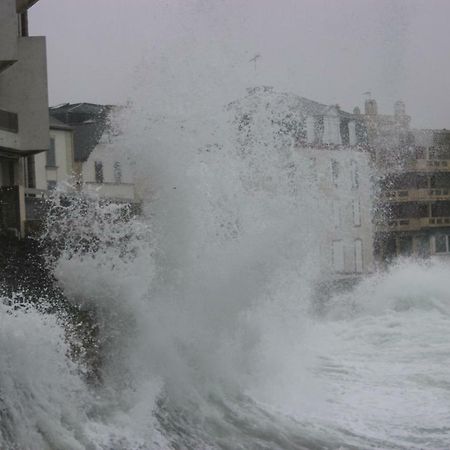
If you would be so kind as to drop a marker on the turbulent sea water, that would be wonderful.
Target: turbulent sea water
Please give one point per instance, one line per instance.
(372, 372)
(208, 334)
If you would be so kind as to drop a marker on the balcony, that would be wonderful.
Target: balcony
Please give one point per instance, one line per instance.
(416, 195)
(414, 224)
(428, 165)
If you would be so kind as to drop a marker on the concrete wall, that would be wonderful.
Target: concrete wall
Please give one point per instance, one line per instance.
(23, 90)
(8, 34)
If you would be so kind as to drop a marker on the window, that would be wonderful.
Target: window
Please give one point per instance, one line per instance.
(312, 168)
(334, 171)
(51, 185)
(423, 246)
(117, 172)
(51, 154)
(405, 246)
(31, 172)
(336, 214)
(354, 174)
(358, 256)
(98, 172)
(338, 256)
(441, 243)
(9, 121)
(356, 213)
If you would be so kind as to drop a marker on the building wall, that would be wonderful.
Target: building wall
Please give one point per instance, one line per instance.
(63, 169)
(343, 177)
(23, 90)
(24, 120)
(8, 33)
(416, 197)
(110, 187)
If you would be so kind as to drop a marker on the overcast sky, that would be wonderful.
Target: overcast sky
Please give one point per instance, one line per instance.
(332, 51)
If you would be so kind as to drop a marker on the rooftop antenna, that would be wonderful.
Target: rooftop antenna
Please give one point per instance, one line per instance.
(254, 59)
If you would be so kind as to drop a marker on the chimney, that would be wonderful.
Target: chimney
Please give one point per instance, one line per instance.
(370, 107)
(399, 108)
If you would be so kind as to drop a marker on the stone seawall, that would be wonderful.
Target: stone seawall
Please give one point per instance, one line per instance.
(23, 269)
(24, 272)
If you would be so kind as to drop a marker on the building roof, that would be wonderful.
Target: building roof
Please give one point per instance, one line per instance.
(89, 122)
(288, 103)
(56, 124)
(23, 5)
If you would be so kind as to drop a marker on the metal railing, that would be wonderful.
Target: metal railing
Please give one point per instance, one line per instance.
(424, 194)
(409, 224)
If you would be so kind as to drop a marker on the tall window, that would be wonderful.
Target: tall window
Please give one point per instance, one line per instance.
(312, 169)
(356, 213)
(334, 171)
(31, 172)
(98, 172)
(338, 256)
(117, 172)
(336, 214)
(441, 243)
(405, 246)
(51, 154)
(354, 174)
(358, 256)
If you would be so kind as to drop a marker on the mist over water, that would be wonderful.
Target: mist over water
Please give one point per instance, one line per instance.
(208, 334)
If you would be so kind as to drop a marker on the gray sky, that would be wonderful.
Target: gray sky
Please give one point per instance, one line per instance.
(332, 51)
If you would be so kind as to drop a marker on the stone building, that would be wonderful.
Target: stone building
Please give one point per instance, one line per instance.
(24, 121)
(388, 135)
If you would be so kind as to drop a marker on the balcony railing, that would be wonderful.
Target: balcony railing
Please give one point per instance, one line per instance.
(428, 165)
(414, 224)
(408, 195)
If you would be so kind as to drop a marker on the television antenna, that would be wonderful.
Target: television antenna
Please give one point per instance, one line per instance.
(255, 59)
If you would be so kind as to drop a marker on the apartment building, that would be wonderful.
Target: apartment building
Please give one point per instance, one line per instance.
(24, 121)
(415, 197)
(412, 167)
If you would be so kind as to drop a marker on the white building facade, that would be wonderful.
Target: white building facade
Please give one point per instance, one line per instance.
(56, 165)
(98, 166)
(109, 174)
(332, 143)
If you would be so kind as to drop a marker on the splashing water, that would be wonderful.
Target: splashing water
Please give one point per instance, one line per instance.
(206, 331)
(206, 334)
